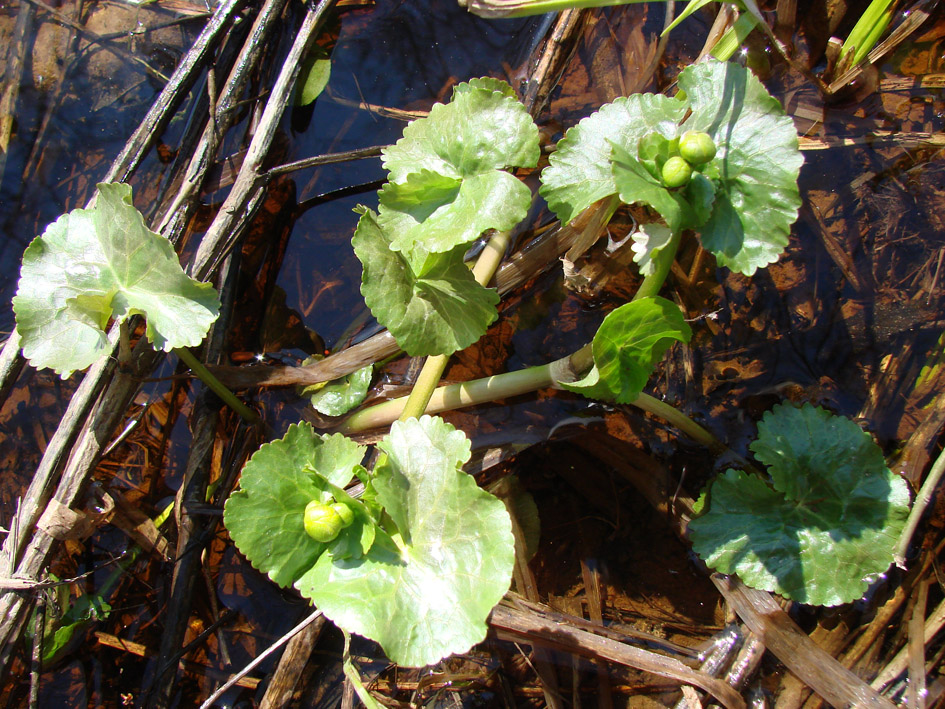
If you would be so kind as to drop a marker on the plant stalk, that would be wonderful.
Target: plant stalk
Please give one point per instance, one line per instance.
(922, 500)
(426, 398)
(217, 387)
(434, 366)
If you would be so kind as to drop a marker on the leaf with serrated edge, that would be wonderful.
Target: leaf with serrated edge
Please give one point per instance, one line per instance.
(453, 212)
(430, 597)
(447, 183)
(438, 312)
(627, 346)
(579, 170)
(827, 524)
(758, 162)
(93, 265)
(479, 130)
(264, 517)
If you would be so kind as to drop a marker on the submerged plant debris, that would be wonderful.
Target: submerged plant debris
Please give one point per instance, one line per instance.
(832, 326)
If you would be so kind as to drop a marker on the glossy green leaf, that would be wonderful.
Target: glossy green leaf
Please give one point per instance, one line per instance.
(627, 346)
(481, 129)
(429, 594)
(338, 397)
(825, 526)
(313, 77)
(265, 516)
(635, 184)
(757, 164)
(430, 304)
(579, 171)
(442, 213)
(447, 182)
(91, 266)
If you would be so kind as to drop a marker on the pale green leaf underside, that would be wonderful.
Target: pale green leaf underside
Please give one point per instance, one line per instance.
(264, 517)
(627, 346)
(758, 164)
(430, 598)
(648, 240)
(829, 522)
(93, 265)
(439, 312)
(579, 171)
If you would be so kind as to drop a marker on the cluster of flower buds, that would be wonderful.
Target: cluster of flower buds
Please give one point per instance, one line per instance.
(324, 521)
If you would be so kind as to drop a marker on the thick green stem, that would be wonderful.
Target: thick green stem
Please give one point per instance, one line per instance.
(433, 368)
(503, 386)
(455, 396)
(228, 397)
(426, 398)
(663, 263)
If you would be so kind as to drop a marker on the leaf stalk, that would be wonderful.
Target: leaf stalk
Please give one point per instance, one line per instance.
(215, 385)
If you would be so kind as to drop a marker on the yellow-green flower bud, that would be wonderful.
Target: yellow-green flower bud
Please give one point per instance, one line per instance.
(322, 522)
(676, 172)
(696, 147)
(345, 512)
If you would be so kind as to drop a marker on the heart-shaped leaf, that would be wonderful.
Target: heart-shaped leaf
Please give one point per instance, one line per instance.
(264, 517)
(826, 525)
(428, 594)
(438, 310)
(757, 164)
(627, 346)
(95, 265)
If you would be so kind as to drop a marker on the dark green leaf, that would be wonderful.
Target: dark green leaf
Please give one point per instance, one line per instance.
(439, 311)
(826, 525)
(627, 346)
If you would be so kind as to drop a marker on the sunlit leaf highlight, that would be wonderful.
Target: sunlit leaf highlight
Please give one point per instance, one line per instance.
(93, 266)
(425, 591)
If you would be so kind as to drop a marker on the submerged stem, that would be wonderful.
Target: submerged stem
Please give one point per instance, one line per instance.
(215, 385)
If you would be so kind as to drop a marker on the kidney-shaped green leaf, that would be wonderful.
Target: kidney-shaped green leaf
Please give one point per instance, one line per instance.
(428, 596)
(627, 346)
(826, 525)
(579, 171)
(94, 265)
(264, 517)
(757, 164)
(439, 310)
(447, 182)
